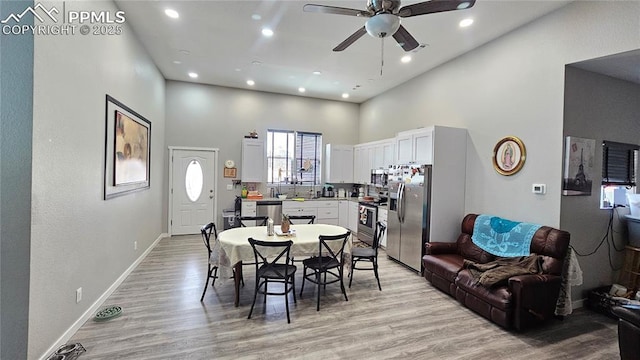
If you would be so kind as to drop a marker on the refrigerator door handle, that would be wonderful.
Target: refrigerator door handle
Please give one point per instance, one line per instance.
(401, 203)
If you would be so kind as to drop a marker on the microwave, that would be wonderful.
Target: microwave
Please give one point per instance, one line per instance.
(379, 177)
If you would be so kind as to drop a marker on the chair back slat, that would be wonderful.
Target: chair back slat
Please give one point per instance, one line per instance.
(380, 230)
(310, 218)
(325, 241)
(263, 251)
(207, 231)
(260, 220)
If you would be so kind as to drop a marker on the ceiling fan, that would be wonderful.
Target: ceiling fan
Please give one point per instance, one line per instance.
(384, 18)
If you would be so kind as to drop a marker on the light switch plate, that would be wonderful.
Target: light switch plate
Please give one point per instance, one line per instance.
(229, 187)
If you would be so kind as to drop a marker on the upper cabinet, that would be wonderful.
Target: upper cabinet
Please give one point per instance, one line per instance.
(415, 146)
(339, 163)
(254, 160)
(372, 155)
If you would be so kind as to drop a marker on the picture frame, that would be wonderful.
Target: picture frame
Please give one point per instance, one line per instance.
(509, 155)
(578, 171)
(230, 172)
(127, 150)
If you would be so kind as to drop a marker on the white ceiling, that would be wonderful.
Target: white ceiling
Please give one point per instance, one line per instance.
(625, 66)
(220, 41)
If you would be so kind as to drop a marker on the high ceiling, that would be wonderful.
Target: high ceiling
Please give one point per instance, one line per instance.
(222, 42)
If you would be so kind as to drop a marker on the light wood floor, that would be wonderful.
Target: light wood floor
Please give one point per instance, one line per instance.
(163, 318)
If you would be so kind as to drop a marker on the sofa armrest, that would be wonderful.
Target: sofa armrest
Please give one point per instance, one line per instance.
(435, 248)
(534, 297)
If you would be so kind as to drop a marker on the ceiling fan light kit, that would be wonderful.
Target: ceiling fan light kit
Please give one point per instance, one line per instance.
(382, 25)
(384, 18)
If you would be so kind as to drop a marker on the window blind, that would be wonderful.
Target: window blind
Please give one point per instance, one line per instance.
(618, 163)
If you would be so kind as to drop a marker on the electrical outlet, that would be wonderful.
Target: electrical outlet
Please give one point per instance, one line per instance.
(135, 245)
(229, 187)
(78, 294)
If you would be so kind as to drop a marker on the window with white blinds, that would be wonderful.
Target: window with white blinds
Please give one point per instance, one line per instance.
(619, 163)
(293, 157)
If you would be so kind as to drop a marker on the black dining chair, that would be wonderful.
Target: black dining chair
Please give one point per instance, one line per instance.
(212, 270)
(260, 220)
(309, 218)
(369, 254)
(328, 262)
(271, 269)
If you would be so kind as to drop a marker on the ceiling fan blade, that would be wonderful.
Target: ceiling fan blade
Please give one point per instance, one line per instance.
(351, 39)
(434, 6)
(335, 10)
(406, 40)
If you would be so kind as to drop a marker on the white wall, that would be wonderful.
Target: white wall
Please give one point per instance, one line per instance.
(512, 86)
(219, 117)
(601, 108)
(79, 239)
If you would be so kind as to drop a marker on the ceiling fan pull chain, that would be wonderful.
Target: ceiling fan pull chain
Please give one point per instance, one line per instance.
(381, 55)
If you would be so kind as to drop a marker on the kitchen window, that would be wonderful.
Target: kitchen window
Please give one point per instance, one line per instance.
(619, 165)
(293, 157)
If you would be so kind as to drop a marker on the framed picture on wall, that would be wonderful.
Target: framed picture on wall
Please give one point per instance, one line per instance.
(509, 155)
(127, 164)
(579, 156)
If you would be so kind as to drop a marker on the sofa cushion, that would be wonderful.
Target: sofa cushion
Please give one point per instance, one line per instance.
(498, 296)
(444, 265)
(471, 251)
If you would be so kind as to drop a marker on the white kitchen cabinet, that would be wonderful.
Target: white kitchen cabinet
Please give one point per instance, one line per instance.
(354, 216)
(291, 207)
(248, 208)
(382, 217)
(343, 213)
(415, 146)
(254, 160)
(327, 212)
(339, 163)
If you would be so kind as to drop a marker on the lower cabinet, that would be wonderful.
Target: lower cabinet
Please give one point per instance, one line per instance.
(382, 217)
(326, 212)
(354, 216)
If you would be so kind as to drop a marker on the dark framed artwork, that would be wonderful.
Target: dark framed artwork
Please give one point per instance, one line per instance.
(127, 159)
(509, 155)
(579, 157)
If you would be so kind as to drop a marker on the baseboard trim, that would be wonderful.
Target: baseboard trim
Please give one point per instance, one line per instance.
(96, 305)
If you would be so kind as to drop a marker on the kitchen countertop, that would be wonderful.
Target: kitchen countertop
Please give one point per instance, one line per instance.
(354, 199)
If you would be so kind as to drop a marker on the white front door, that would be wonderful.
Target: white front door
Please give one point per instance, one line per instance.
(192, 190)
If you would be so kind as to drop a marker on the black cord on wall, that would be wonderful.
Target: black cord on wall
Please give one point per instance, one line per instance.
(608, 238)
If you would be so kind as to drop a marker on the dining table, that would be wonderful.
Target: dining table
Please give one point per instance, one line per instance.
(232, 247)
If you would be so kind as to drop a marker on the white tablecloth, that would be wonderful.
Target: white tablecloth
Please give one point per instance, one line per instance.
(233, 246)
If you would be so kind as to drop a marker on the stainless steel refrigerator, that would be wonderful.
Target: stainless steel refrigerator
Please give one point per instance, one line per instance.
(409, 213)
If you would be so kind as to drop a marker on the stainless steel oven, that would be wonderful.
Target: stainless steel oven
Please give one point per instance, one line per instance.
(367, 220)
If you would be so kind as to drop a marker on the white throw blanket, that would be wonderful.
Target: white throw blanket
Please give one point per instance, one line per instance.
(571, 276)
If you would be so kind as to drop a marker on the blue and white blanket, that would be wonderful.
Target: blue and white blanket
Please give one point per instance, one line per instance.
(502, 237)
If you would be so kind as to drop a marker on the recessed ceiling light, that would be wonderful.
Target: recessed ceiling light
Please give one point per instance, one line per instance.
(238, 69)
(193, 75)
(251, 82)
(345, 96)
(301, 89)
(177, 62)
(466, 22)
(317, 72)
(256, 17)
(463, 5)
(405, 59)
(185, 52)
(267, 32)
(256, 62)
(171, 13)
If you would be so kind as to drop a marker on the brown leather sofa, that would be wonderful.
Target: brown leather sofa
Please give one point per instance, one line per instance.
(524, 301)
(628, 332)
